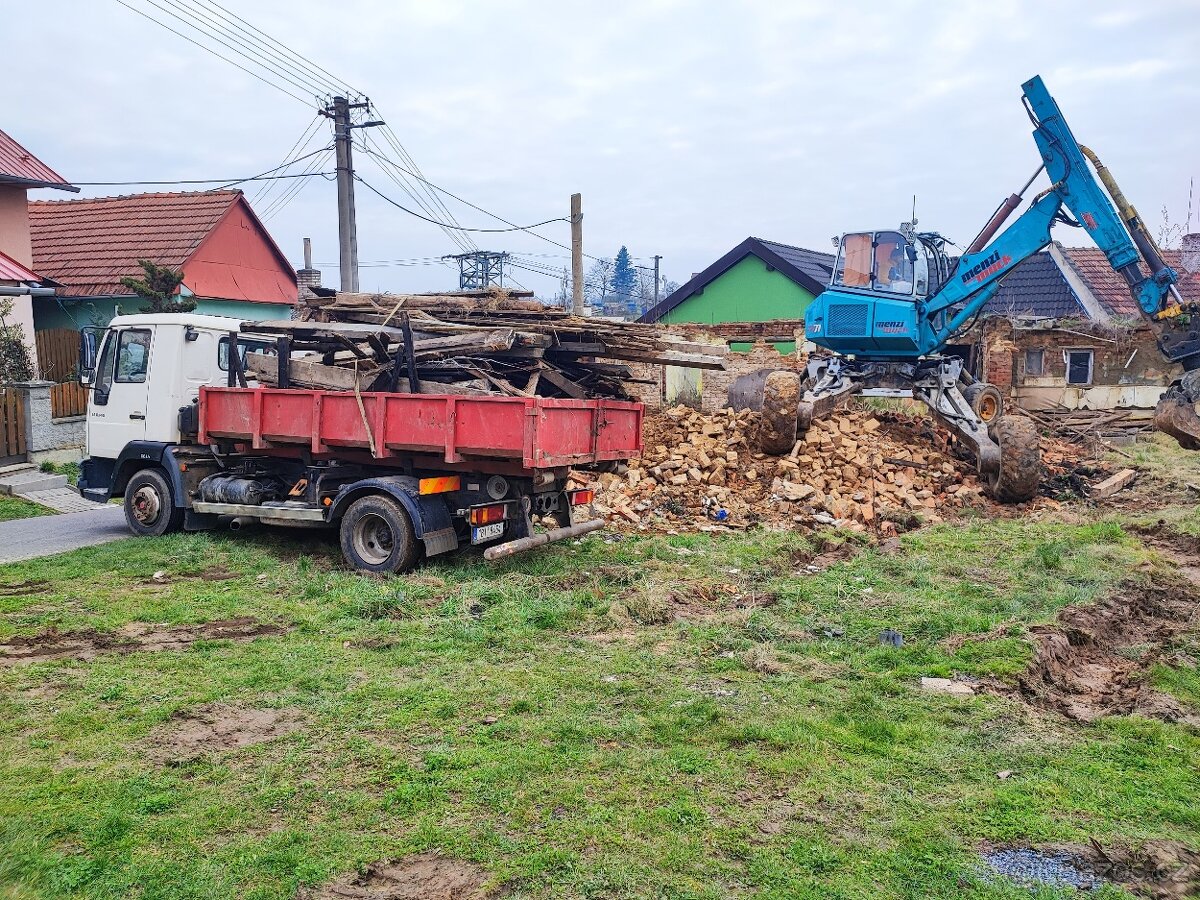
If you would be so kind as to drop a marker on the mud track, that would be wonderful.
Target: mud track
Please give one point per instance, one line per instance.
(1095, 660)
(132, 638)
(215, 728)
(426, 876)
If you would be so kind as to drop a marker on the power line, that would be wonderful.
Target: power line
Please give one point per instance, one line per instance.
(273, 84)
(399, 206)
(264, 176)
(290, 193)
(239, 45)
(301, 145)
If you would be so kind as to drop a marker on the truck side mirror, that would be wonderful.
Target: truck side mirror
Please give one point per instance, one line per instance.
(89, 343)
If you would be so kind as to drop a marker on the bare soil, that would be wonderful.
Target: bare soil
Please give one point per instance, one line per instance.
(216, 728)
(131, 638)
(1158, 870)
(426, 876)
(1095, 659)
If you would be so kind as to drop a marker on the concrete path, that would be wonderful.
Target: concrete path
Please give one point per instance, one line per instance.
(63, 500)
(47, 535)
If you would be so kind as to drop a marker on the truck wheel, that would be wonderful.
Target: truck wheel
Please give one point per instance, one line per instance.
(377, 536)
(1020, 460)
(986, 400)
(150, 508)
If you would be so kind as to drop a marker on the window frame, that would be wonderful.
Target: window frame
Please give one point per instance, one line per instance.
(102, 387)
(1091, 369)
(145, 373)
(1041, 366)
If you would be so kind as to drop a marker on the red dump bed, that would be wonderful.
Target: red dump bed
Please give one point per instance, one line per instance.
(532, 432)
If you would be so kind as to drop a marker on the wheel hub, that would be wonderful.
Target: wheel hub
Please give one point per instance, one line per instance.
(146, 505)
(373, 539)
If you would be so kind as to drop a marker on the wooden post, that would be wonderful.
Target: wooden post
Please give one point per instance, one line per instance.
(577, 254)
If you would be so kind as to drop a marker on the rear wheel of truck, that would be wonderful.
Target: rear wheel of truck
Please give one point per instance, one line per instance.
(377, 536)
(150, 508)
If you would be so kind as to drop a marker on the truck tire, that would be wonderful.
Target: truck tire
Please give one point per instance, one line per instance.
(150, 509)
(377, 536)
(1020, 470)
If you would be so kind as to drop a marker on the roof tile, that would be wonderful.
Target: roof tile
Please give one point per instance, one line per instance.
(90, 245)
(1110, 289)
(19, 165)
(1037, 288)
(11, 270)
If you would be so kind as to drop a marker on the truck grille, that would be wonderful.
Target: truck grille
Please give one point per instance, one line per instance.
(847, 319)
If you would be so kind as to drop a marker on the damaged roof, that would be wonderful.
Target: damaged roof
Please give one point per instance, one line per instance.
(808, 268)
(1110, 289)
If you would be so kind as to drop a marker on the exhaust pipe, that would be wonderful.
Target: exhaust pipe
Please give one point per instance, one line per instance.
(237, 523)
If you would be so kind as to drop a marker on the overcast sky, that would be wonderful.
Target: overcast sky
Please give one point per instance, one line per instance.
(687, 126)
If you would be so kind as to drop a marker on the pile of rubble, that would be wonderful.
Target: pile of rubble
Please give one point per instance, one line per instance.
(860, 470)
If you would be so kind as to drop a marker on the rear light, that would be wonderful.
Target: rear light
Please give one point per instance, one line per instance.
(483, 515)
(580, 498)
(439, 485)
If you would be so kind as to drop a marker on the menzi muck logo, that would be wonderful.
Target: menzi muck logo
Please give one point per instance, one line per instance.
(986, 268)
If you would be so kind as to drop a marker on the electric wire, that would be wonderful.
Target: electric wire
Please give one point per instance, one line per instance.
(262, 176)
(280, 202)
(399, 206)
(206, 49)
(237, 44)
(294, 155)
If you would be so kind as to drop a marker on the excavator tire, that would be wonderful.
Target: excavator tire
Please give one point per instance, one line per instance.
(1020, 460)
(780, 408)
(985, 399)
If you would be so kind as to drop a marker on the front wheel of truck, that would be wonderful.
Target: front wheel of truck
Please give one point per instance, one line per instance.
(377, 536)
(150, 508)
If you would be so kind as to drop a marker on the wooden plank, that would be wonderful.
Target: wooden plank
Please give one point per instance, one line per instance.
(1113, 484)
(564, 384)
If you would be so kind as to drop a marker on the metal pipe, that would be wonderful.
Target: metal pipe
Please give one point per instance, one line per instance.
(993, 225)
(237, 523)
(21, 291)
(1133, 221)
(500, 551)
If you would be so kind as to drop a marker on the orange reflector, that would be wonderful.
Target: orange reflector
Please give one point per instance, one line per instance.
(579, 498)
(482, 515)
(440, 485)
(328, 501)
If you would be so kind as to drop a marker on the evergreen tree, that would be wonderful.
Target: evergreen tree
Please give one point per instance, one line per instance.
(16, 363)
(158, 285)
(624, 279)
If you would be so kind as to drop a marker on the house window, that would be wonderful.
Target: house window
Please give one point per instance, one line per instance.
(1035, 363)
(1079, 366)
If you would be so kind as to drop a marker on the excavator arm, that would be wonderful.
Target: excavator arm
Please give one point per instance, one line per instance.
(1073, 187)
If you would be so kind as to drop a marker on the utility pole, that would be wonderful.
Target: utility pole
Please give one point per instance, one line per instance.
(577, 254)
(656, 261)
(339, 112)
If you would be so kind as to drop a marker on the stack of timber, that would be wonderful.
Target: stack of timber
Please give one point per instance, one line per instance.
(482, 342)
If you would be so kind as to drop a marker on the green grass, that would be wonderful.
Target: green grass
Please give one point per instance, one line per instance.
(524, 717)
(16, 508)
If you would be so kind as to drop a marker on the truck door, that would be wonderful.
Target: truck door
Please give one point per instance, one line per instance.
(117, 412)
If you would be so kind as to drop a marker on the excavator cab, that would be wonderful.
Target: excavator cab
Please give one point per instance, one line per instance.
(896, 263)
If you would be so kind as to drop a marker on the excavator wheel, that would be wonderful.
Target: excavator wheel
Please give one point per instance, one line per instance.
(1020, 460)
(780, 411)
(985, 399)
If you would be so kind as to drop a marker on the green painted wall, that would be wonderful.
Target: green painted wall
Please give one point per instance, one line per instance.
(75, 313)
(747, 292)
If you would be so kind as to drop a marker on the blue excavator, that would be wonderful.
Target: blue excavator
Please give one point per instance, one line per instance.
(897, 297)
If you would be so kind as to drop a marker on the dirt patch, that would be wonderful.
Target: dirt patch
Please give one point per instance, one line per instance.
(1159, 869)
(24, 588)
(426, 876)
(1095, 660)
(216, 728)
(136, 636)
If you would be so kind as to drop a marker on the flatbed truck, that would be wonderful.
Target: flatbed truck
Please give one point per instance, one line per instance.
(175, 429)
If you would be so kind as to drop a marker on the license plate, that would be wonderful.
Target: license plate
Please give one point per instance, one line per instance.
(486, 532)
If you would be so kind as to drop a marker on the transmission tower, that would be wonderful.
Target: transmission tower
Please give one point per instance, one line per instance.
(479, 269)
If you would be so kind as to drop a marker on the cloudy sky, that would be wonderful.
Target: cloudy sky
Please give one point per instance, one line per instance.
(687, 126)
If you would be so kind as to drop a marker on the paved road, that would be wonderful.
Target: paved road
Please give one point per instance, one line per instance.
(47, 535)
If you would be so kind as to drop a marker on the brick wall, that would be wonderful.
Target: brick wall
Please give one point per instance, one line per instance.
(714, 383)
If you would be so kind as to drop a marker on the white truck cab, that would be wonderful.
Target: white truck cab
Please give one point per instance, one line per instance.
(142, 370)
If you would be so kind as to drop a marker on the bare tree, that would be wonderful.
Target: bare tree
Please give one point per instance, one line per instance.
(597, 284)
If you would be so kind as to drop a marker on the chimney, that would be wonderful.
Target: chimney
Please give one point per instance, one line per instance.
(1190, 255)
(308, 277)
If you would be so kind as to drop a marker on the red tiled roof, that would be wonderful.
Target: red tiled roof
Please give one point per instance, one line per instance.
(19, 166)
(11, 270)
(1110, 289)
(89, 245)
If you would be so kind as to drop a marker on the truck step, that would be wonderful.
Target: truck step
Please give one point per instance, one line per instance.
(20, 482)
